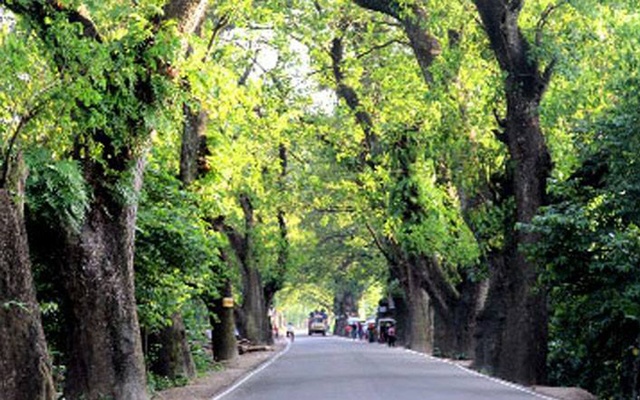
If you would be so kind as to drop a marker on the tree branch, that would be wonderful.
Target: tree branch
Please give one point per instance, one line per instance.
(502, 122)
(39, 12)
(390, 8)
(7, 156)
(220, 25)
(236, 240)
(413, 20)
(380, 246)
(544, 17)
(435, 283)
(351, 98)
(546, 74)
(380, 47)
(38, 105)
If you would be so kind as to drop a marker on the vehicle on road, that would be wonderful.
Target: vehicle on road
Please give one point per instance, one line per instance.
(318, 323)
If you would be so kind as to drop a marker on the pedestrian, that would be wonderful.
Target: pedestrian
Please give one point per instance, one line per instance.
(371, 332)
(290, 332)
(382, 337)
(391, 336)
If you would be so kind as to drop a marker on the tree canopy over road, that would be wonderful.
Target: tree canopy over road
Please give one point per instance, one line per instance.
(169, 167)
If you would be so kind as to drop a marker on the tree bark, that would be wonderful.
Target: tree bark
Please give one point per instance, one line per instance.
(420, 332)
(514, 323)
(194, 150)
(223, 338)
(454, 332)
(105, 358)
(254, 323)
(344, 306)
(25, 370)
(173, 357)
(413, 19)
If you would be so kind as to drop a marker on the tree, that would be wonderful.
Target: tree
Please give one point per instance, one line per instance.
(25, 365)
(512, 330)
(455, 304)
(119, 83)
(415, 262)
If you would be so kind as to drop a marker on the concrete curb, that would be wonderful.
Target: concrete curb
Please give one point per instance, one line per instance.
(490, 378)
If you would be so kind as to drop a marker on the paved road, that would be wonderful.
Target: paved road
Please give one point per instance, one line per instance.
(325, 368)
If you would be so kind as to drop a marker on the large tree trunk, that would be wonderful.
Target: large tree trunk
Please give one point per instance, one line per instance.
(403, 319)
(223, 339)
(194, 150)
(256, 317)
(25, 371)
(453, 333)
(512, 328)
(514, 323)
(413, 264)
(413, 313)
(254, 320)
(524, 342)
(420, 332)
(105, 356)
(173, 356)
(277, 276)
(344, 306)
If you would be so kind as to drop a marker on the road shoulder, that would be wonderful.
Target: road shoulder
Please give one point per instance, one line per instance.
(215, 382)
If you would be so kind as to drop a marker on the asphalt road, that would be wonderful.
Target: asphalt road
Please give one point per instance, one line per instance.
(325, 368)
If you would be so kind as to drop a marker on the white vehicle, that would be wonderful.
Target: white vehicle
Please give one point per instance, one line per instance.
(318, 324)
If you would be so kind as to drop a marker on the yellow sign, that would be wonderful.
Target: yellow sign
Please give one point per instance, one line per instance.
(227, 302)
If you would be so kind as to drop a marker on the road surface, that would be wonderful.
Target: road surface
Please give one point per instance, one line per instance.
(325, 368)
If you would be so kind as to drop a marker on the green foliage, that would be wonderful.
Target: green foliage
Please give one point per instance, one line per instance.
(157, 383)
(176, 253)
(590, 252)
(56, 191)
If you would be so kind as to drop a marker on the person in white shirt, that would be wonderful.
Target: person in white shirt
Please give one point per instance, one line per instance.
(290, 331)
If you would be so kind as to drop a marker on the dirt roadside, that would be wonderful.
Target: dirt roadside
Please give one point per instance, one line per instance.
(215, 382)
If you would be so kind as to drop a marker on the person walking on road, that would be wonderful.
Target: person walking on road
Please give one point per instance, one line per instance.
(290, 332)
(391, 336)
